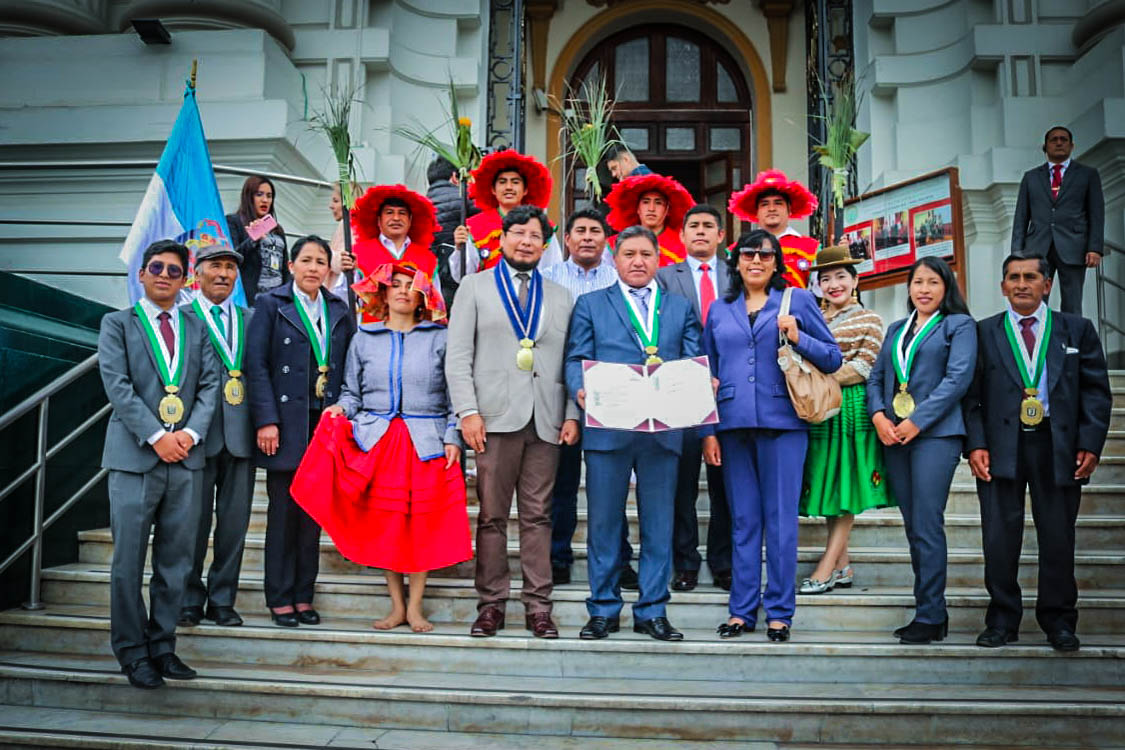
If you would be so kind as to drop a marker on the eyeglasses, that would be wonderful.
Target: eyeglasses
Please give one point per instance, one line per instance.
(521, 235)
(157, 267)
(756, 254)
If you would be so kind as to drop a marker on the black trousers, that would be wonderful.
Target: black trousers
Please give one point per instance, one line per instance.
(292, 542)
(228, 489)
(1055, 509)
(1069, 279)
(685, 528)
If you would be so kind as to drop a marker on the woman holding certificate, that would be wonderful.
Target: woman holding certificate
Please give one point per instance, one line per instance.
(914, 397)
(759, 441)
(296, 342)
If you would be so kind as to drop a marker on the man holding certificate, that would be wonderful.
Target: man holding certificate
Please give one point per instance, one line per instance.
(631, 322)
(504, 367)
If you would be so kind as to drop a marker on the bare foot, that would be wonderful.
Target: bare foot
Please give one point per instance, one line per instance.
(419, 623)
(393, 620)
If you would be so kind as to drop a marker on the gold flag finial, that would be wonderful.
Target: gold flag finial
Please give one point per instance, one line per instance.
(194, 68)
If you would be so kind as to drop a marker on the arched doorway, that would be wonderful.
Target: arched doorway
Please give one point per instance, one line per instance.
(682, 106)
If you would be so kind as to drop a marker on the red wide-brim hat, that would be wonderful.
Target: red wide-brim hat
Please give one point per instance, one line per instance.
(626, 195)
(423, 217)
(536, 177)
(744, 203)
(372, 288)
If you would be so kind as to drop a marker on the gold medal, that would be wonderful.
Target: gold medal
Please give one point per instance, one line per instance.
(652, 358)
(525, 358)
(1031, 408)
(171, 407)
(903, 402)
(322, 381)
(233, 391)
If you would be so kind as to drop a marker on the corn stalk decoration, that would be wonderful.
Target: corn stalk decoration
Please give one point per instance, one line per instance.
(842, 140)
(333, 120)
(586, 116)
(459, 150)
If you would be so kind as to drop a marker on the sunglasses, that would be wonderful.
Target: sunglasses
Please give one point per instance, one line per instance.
(157, 267)
(759, 254)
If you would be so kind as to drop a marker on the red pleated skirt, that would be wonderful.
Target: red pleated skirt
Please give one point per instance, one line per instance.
(385, 508)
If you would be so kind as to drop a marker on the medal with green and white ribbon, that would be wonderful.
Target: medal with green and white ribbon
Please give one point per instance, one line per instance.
(233, 391)
(170, 410)
(648, 331)
(1031, 365)
(320, 350)
(903, 402)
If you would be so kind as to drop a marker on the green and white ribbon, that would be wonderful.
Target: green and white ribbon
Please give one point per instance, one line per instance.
(904, 355)
(164, 361)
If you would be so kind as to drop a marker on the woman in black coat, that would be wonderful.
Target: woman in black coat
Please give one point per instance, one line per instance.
(290, 380)
(263, 260)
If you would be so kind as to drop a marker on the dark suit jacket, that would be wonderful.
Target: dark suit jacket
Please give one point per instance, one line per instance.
(278, 364)
(600, 330)
(677, 279)
(251, 268)
(134, 388)
(941, 374)
(1077, 385)
(1074, 222)
(230, 427)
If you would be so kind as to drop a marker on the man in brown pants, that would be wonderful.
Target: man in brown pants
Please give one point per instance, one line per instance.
(504, 366)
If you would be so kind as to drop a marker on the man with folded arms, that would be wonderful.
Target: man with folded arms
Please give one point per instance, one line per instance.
(630, 322)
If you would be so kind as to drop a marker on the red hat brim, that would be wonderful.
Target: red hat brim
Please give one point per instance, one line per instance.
(626, 195)
(423, 217)
(373, 287)
(536, 177)
(744, 203)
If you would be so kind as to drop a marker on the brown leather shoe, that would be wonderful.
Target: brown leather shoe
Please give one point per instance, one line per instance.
(540, 625)
(489, 620)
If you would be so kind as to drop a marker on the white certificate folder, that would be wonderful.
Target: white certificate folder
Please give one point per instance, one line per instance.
(649, 398)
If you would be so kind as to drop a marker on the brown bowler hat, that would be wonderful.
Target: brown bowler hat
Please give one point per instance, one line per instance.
(834, 256)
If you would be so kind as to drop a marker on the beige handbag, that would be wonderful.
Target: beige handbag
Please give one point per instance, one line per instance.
(815, 396)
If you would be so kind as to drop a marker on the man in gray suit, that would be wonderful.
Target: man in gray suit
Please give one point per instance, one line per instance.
(701, 279)
(162, 379)
(1060, 216)
(504, 366)
(228, 475)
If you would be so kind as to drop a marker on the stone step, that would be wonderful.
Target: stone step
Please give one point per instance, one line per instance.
(769, 706)
(881, 566)
(811, 655)
(864, 607)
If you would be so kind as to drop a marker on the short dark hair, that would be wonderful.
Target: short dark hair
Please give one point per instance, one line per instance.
(395, 203)
(1044, 266)
(637, 230)
(616, 150)
(769, 193)
(316, 240)
(506, 170)
(525, 213)
(952, 303)
(753, 240)
(1053, 128)
(440, 169)
(592, 214)
(704, 208)
(166, 246)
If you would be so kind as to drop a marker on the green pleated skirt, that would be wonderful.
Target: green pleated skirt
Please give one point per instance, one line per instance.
(844, 469)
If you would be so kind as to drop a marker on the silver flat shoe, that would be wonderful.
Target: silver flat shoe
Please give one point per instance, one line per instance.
(813, 586)
(843, 577)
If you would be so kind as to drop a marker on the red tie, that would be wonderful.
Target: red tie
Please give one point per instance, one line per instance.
(1056, 180)
(706, 290)
(1028, 336)
(166, 331)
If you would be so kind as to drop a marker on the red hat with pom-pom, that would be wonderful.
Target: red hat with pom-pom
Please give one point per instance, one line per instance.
(626, 195)
(536, 178)
(423, 217)
(744, 203)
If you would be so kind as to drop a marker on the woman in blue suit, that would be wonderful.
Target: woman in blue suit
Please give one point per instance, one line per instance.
(760, 441)
(914, 398)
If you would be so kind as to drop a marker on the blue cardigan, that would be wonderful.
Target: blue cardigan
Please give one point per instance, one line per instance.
(752, 392)
(941, 374)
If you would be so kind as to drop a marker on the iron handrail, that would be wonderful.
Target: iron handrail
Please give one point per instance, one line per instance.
(41, 400)
(151, 164)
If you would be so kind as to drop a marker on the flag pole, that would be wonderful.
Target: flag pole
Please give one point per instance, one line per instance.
(194, 69)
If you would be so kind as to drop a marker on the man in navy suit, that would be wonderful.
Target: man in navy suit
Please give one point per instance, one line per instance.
(609, 325)
(701, 279)
(1036, 416)
(1060, 216)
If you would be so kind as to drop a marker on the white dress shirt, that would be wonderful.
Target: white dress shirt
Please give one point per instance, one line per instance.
(390, 245)
(313, 309)
(153, 311)
(1051, 169)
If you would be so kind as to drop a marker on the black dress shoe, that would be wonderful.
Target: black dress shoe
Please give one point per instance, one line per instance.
(285, 619)
(733, 629)
(560, 574)
(659, 628)
(190, 617)
(308, 617)
(778, 635)
(685, 580)
(1063, 640)
(899, 631)
(628, 579)
(171, 667)
(143, 674)
(920, 633)
(598, 627)
(222, 615)
(995, 638)
(723, 579)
